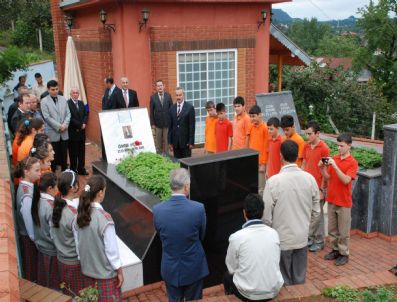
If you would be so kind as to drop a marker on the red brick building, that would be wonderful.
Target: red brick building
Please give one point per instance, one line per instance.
(214, 49)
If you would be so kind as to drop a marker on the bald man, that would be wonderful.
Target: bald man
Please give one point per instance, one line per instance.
(125, 97)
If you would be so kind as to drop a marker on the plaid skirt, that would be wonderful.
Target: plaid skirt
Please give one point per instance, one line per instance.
(29, 258)
(71, 275)
(106, 288)
(48, 275)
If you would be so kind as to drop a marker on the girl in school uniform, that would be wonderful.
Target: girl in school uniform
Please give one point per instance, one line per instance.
(42, 208)
(61, 231)
(97, 242)
(28, 170)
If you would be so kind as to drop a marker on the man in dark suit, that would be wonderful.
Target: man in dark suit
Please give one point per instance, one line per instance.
(183, 263)
(124, 97)
(22, 112)
(110, 90)
(14, 107)
(160, 104)
(182, 126)
(78, 121)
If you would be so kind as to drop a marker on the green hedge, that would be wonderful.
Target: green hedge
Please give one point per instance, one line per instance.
(149, 171)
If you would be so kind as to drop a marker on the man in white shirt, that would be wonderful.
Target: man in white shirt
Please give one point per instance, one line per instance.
(253, 257)
(291, 198)
(40, 87)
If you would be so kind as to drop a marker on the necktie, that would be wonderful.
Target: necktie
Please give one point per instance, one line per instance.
(179, 110)
(161, 99)
(125, 98)
(55, 99)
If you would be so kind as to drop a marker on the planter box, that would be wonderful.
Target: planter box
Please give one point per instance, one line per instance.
(220, 181)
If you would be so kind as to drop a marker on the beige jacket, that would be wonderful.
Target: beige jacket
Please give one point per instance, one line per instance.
(290, 198)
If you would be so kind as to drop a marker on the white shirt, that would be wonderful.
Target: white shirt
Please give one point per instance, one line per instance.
(109, 241)
(179, 105)
(26, 211)
(73, 203)
(112, 89)
(253, 257)
(38, 90)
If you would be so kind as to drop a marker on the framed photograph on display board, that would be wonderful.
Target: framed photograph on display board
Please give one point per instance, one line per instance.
(126, 131)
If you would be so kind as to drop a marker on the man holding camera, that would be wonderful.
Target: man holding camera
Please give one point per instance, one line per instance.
(314, 150)
(339, 171)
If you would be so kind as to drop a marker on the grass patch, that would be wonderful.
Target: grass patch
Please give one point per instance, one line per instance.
(375, 294)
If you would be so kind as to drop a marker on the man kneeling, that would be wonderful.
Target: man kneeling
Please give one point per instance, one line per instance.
(253, 257)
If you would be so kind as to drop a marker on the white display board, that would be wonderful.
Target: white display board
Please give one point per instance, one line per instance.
(124, 131)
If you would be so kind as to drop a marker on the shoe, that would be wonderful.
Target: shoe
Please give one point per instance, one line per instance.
(341, 260)
(83, 172)
(332, 255)
(310, 242)
(315, 247)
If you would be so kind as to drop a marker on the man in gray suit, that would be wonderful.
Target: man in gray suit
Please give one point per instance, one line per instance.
(55, 110)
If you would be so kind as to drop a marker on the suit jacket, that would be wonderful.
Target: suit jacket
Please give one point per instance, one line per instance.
(117, 99)
(54, 116)
(183, 258)
(78, 117)
(159, 114)
(106, 99)
(182, 127)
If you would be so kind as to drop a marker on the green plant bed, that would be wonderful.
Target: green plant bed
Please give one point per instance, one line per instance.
(347, 294)
(149, 171)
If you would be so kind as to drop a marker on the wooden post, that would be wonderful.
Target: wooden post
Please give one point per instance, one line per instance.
(280, 73)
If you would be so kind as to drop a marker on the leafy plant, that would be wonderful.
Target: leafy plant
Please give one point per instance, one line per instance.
(380, 294)
(10, 60)
(88, 294)
(342, 293)
(347, 294)
(149, 171)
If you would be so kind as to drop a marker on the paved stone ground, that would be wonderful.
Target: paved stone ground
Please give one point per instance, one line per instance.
(369, 261)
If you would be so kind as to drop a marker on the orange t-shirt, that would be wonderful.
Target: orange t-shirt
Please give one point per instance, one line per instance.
(259, 137)
(241, 129)
(338, 193)
(312, 156)
(301, 144)
(15, 148)
(24, 148)
(210, 139)
(273, 156)
(223, 131)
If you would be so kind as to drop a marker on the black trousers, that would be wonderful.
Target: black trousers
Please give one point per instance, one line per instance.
(231, 289)
(182, 152)
(293, 266)
(77, 155)
(61, 155)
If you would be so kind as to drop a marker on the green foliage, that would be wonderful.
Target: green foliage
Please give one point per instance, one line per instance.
(149, 171)
(308, 34)
(10, 60)
(88, 294)
(6, 38)
(379, 52)
(367, 158)
(347, 294)
(332, 45)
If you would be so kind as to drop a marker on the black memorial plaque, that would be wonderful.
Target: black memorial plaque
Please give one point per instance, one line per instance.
(277, 104)
(219, 181)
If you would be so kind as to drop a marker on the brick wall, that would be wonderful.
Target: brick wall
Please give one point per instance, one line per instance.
(9, 284)
(166, 41)
(94, 49)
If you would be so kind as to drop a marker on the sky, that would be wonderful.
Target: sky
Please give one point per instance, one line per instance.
(322, 9)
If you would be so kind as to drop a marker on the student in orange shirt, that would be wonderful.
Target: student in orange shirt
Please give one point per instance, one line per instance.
(258, 141)
(241, 125)
(273, 147)
(26, 134)
(340, 171)
(287, 123)
(210, 122)
(223, 130)
(314, 150)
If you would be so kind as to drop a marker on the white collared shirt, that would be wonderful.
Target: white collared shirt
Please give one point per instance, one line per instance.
(181, 106)
(109, 241)
(112, 89)
(26, 211)
(125, 92)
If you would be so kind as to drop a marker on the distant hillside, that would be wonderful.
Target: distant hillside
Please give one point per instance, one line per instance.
(281, 17)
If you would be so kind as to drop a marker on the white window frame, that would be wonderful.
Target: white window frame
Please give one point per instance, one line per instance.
(207, 51)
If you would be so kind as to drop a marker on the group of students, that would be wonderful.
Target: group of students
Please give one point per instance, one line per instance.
(249, 130)
(67, 240)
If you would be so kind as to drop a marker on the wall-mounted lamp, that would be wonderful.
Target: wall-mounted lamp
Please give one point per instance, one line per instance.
(145, 17)
(103, 15)
(263, 18)
(69, 21)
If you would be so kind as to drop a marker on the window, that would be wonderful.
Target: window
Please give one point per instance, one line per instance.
(208, 76)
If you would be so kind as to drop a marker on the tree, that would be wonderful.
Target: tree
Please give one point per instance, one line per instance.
(337, 46)
(307, 34)
(10, 60)
(379, 53)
